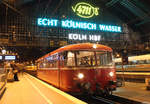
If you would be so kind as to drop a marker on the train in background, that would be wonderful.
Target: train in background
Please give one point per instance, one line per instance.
(30, 68)
(79, 69)
(140, 63)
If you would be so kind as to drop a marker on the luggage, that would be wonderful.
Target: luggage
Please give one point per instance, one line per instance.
(15, 71)
(10, 76)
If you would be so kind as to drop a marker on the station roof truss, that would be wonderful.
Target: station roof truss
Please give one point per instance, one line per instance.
(133, 13)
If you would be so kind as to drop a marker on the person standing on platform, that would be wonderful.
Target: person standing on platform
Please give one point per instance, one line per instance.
(15, 71)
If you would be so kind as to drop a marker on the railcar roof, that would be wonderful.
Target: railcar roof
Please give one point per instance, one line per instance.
(80, 46)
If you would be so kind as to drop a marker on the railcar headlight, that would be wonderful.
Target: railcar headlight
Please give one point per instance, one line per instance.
(94, 46)
(80, 75)
(111, 74)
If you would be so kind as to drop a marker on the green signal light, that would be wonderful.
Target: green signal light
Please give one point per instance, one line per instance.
(85, 10)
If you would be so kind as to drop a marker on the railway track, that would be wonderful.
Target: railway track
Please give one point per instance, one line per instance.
(121, 100)
(106, 100)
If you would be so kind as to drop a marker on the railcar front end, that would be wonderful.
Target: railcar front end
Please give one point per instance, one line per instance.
(88, 72)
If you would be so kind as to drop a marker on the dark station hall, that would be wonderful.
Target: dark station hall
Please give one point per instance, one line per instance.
(74, 52)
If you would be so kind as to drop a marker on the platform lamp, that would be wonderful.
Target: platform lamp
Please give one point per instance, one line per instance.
(117, 55)
(3, 51)
(147, 47)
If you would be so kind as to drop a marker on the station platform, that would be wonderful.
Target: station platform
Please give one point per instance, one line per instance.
(30, 90)
(134, 91)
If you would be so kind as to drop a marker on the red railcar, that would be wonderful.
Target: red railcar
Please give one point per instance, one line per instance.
(79, 68)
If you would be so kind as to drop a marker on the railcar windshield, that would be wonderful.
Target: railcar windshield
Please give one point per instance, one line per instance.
(88, 58)
(104, 58)
(85, 58)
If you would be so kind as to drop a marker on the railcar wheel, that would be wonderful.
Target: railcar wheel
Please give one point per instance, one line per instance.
(108, 92)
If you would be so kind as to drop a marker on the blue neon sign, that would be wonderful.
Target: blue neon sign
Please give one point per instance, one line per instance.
(78, 25)
(47, 22)
(70, 24)
(110, 28)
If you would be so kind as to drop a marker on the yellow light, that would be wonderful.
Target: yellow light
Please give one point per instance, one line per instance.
(44, 64)
(111, 74)
(94, 46)
(80, 76)
(3, 51)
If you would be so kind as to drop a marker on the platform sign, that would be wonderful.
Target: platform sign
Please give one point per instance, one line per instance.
(10, 57)
(0, 57)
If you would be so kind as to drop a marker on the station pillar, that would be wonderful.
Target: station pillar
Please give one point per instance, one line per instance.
(124, 62)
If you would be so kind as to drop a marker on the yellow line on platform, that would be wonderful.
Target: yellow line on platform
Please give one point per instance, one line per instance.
(38, 90)
(75, 100)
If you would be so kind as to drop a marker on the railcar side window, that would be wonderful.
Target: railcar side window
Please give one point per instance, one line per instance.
(40, 65)
(85, 58)
(70, 60)
(104, 58)
(62, 58)
(53, 61)
(49, 62)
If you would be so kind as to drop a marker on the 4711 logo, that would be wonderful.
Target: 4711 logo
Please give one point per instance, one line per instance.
(85, 10)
